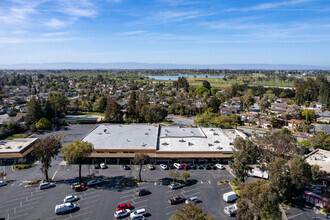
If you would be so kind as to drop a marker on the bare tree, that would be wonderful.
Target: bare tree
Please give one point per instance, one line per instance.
(141, 159)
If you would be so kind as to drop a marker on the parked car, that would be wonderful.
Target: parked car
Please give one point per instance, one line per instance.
(103, 166)
(125, 167)
(176, 200)
(143, 192)
(124, 206)
(163, 166)
(171, 166)
(219, 166)
(190, 182)
(200, 166)
(151, 167)
(207, 166)
(231, 210)
(177, 166)
(138, 213)
(70, 198)
(79, 188)
(192, 166)
(97, 166)
(230, 196)
(122, 213)
(176, 186)
(193, 199)
(75, 184)
(93, 182)
(46, 185)
(2, 183)
(211, 165)
(185, 166)
(64, 208)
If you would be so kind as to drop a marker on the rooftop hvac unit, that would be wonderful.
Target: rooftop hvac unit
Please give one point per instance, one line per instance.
(216, 141)
(146, 133)
(189, 143)
(165, 143)
(182, 141)
(215, 134)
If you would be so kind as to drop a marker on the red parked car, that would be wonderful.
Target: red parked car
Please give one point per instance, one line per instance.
(185, 166)
(124, 206)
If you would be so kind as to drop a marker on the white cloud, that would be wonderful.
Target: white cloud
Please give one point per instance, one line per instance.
(132, 33)
(267, 6)
(53, 34)
(77, 8)
(56, 23)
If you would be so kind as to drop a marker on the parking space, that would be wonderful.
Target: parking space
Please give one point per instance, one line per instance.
(100, 202)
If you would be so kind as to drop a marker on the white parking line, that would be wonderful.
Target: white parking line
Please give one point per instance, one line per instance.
(79, 215)
(23, 210)
(295, 216)
(140, 201)
(125, 196)
(167, 213)
(88, 197)
(87, 208)
(20, 184)
(193, 194)
(88, 202)
(186, 191)
(130, 200)
(19, 216)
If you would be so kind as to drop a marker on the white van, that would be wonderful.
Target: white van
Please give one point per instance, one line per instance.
(230, 196)
(65, 207)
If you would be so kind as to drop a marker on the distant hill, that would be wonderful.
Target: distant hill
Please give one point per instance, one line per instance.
(132, 65)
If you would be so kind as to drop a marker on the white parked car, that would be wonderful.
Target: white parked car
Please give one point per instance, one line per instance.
(93, 182)
(193, 199)
(2, 183)
(103, 166)
(71, 198)
(163, 166)
(138, 213)
(177, 166)
(46, 185)
(230, 196)
(220, 166)
(64, 208)
(176, 186)
(122, 213)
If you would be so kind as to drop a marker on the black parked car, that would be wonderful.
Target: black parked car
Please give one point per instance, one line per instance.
(206, 166)
(200, 167)
(192, 166)
(143, 192)
(211, 165)
(190, 182)
(125, 167)
(97, 166)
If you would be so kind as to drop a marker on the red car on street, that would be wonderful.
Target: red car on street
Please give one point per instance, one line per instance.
(124, 206)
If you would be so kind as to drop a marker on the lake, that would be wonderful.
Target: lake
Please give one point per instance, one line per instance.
(187, 76)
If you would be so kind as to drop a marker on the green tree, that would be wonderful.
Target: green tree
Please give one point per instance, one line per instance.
(113, 112)
(153, 113)
(214, 103)
(174, 175)
(103, 104)
(247, 101)
(316, 173)
(300, 172)
(309, 114)
(59, 102)
(141, 159)
(34, 114)
(44, 150)
(190, 211)
(48, 111)
(185, 176)
(280, 179)
(76, 152)
(206, 84)
(131, 106)
(263, 104)
(294, 111)
(320, 140)
(244, 154)
(278, 144)
(257, 201)
(43, 124)
(201, 90)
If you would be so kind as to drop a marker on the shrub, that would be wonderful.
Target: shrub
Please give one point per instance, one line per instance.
(34, 182)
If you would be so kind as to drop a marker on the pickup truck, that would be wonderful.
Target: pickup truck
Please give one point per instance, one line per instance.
(176, 200)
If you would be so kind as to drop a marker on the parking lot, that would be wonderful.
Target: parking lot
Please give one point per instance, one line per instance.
(19, 202)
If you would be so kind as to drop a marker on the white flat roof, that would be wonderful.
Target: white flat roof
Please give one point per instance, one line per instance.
(320, 157)
(16, 145)
(136, 136)
(206, 139)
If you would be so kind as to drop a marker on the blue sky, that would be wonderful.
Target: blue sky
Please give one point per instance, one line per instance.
(166, 31)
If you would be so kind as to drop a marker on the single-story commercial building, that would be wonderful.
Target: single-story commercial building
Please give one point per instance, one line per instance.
(13, 150)
(164, 144)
